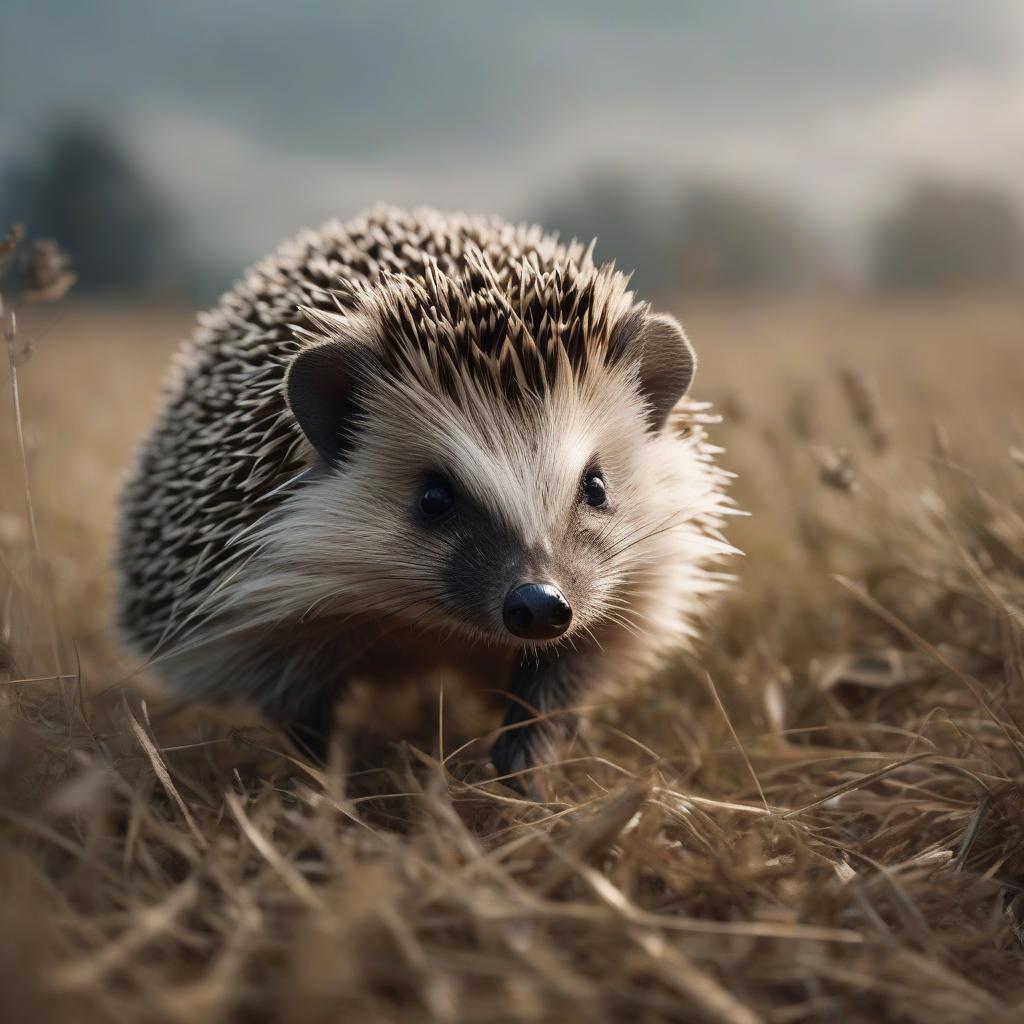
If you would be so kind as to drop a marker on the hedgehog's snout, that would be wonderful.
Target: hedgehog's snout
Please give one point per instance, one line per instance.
(536, 611)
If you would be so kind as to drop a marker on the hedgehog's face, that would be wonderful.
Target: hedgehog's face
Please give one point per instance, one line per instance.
(519, 521)
(522, 521)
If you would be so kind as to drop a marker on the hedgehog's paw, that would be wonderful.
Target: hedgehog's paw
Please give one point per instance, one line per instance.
(519, 750)
(310, 728)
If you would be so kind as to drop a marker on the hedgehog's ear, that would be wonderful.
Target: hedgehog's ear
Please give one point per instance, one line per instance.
(321, 387)
(665, 361)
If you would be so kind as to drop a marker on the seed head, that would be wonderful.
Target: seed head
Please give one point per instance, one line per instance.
(44, 271)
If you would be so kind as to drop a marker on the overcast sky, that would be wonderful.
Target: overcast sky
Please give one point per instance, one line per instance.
(258, 116)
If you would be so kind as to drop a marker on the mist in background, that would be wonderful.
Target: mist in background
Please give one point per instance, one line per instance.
(739, 148)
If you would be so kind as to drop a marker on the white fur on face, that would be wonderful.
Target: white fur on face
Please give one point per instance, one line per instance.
(349, 545)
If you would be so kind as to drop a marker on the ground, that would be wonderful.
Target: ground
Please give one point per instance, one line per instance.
(815, 816)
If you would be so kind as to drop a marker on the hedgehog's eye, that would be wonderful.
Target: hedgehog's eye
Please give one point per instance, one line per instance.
(436, 499)
(595, 492)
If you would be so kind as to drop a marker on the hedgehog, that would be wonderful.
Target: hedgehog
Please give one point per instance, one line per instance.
(419, 442)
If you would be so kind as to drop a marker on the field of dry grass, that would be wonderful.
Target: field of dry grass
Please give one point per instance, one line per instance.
(820, 816)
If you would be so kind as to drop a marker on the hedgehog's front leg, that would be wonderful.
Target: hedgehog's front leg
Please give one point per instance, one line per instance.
(540, 691)
(310, 729)
(309, 723)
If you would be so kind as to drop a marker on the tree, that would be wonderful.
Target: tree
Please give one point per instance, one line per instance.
(734, 240)
(84, 192)
(618, 211)
(945, 235)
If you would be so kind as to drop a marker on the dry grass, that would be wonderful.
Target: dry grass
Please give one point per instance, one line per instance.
(820, 817)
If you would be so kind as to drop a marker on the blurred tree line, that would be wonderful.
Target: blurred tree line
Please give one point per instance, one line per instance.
(720, 238)
(82, 189)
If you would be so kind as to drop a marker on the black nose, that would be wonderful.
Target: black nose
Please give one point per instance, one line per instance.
(536, 611)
